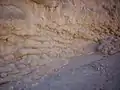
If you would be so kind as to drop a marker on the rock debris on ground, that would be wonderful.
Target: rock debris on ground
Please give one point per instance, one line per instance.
(40, 37)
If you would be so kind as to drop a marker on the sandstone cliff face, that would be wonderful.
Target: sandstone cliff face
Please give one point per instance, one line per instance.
(50, 29)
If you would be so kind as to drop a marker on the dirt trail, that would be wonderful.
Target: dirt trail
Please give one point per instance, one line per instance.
(101, 74)
(81, 73)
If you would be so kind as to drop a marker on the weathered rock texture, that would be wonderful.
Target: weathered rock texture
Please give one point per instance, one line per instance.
(36, 32)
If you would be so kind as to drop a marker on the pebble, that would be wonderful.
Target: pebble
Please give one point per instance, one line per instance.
(35, 84)
(3, 75)
(21, 66)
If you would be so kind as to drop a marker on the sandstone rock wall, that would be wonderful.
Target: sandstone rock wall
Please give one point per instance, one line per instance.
(31, 29)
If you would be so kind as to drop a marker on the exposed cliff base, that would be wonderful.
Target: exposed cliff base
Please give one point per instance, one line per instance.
(35, 32)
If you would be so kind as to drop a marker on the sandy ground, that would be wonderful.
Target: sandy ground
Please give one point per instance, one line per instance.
(101, 74)
(89, 72)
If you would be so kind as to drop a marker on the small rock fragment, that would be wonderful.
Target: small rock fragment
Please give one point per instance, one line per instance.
(3, 75)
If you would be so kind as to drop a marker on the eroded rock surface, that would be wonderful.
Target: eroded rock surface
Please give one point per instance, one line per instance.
(11, 12)
(110, 45)
(33, 36)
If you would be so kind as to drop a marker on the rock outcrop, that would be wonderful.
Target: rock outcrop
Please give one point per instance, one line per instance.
(34, 33)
